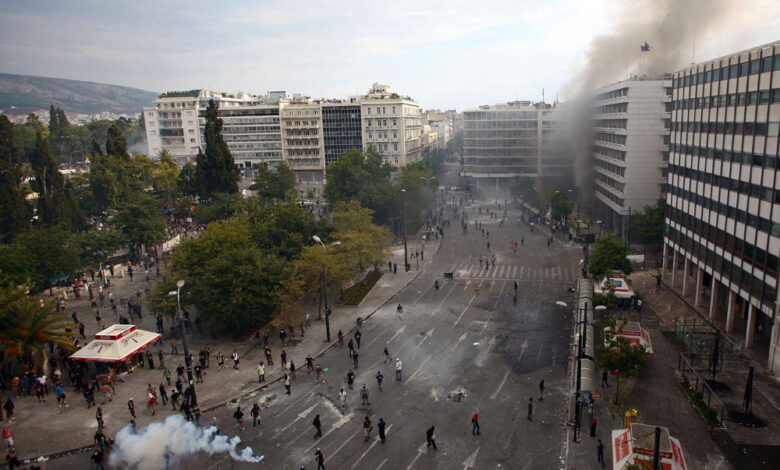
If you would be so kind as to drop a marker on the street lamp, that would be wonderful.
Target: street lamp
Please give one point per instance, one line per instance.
(325, 283)
(187, 361)
(403, 228)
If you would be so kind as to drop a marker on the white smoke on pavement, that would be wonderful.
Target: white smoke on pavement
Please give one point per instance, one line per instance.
(174, 438)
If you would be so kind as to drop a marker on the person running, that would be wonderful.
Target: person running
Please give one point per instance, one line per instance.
(398, 367)
(343, 398)
(367, 428)
(287, 383)
(255, 413)
(379, 378)
(350, 378)
(238, 415)
(364, 395)
(318, 426)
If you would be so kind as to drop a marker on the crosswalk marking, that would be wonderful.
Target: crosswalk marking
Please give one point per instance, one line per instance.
(515, 272)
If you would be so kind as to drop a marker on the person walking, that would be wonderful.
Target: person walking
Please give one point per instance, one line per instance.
(475, 425)
(167, 376)
(387, 355)
(600, 453)
(163, 394)
(234, 356)
(343, 398)
(381, 427)
(287, 383)
(350, 378)
(255, 412)
(364, 395)
(639, 305)
(320, 460)
(429, 439)
(367, 428)
(398, 367)
(317, 425)
(541, 390)
(358, 335)
(604, 382)
(340, 336)
(131, 408)
(284, 359)
(309, 364)
(318, 372)
(379, 378)
(292, 369)
(260, 372)
(269, 358)
(351, 347)
(355, 360)
(97, 456)
(530, 409)
(99, 417)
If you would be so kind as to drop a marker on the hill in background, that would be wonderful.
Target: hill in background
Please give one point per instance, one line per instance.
(75, 96)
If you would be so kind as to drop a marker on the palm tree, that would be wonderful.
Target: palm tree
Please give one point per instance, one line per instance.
(27, 326)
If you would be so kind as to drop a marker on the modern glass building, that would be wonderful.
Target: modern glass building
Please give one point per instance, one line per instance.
(723, 203)
(341, 129)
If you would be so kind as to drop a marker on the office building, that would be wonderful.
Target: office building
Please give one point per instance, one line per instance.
(631, 121)
(302, 142)
(391, 123)
(722, 237)
(341, 128)
(519, 138)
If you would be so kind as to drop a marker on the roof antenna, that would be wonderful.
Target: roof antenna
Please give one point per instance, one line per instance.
(693, 49)
(542, 94)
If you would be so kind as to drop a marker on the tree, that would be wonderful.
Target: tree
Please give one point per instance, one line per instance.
(54, 126)
(274, 184)
(648, 225)
(560, 207)
(215, 170)
(16, 212)
(140, 222)
(165, 177)
(188, 180)
(40, 256)
(221, 206)
(362, 242)
(347, 177)
(56, 204)
(284, 229)
(116, 143)
(28, 326)
(97, 245)
(619, 355)
(609, 254)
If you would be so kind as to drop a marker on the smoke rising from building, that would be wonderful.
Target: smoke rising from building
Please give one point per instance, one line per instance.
(172, 440)
(669, 27)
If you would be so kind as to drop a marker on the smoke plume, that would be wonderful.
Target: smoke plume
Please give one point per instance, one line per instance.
(670, 28)
(175, 438)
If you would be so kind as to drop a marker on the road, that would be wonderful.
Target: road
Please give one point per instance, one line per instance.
(473, 334)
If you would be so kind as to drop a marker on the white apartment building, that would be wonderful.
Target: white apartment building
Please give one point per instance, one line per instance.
(250, 125)
(303, 143)
(631, 123)
(723, 203)
(443, 131)
(519, 138)
(392, 124)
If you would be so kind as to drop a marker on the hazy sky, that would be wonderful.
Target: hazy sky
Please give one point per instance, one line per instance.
(445, 54)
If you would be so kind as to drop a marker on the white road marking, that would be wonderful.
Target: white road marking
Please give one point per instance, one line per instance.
(512, 430)
(464, 310)
(301, 415)
(426, 336)
(387, 431)
(514, 271)
(418, 369)
(460, 340)
(419, 453)
(523, 347)
(522, 268)
(346, 441)
(500, 386)
(469, 462)
(341, 422)
(381, 464)
(444, 299)
(296, 403)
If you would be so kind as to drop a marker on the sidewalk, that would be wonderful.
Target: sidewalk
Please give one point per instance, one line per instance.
(41, 429)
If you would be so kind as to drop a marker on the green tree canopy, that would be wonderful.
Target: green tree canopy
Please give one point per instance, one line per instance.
(524, 188)
(609, 254)
(116, 143)
(140, 221)
(220, 207)
(619, 355)
(216, 171)
(648, 225)
(56, 203)
(560, 207)
(16, 212)
(40, 256)
(274, 183)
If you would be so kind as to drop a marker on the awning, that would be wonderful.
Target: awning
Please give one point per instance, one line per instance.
(634, 445)
(636, 335)
(116, 343)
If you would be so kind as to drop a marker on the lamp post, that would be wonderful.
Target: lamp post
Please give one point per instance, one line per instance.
(187, 361)
(403, 229)
(325, 284)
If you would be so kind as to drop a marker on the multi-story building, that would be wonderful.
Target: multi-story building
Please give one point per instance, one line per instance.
(443, 131)
(723, 202)
(391, 123)
(341, 128)
(250, 125)
(504, 141)
(631, 122)
(302, 139)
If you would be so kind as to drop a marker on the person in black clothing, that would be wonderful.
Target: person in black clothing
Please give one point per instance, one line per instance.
(320, 460)
(381, 426)
(318, 426)
(97, 460)
(429, 440)
(358, 335)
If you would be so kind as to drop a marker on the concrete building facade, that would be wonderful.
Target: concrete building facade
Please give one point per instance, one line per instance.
(303, 141)
(391, 123)
(631, 121)
(723, 205)
(501, 142)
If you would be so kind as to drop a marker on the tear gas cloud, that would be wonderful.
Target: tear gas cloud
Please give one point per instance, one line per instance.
(175, 438)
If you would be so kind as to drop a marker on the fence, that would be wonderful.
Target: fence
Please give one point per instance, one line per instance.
(700, 385)
(699, 337)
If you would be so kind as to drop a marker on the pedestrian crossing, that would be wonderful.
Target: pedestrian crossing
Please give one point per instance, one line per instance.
(514, 272)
